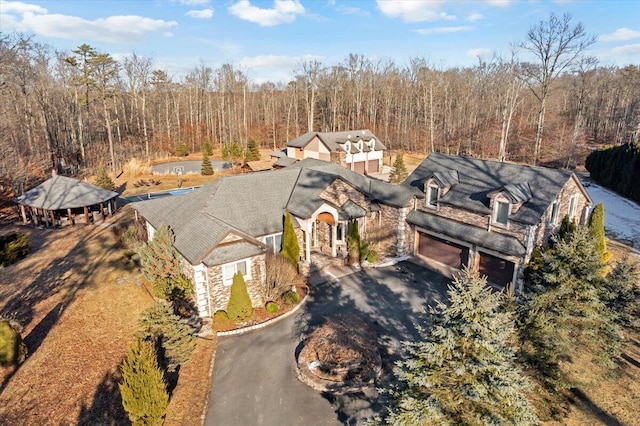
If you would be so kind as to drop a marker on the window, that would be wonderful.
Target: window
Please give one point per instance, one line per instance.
(347, 146)
(573, 203)
(553, 218)
(501, 213)
(275, 242)
(433, 193)
(230, 269)
(341, 231)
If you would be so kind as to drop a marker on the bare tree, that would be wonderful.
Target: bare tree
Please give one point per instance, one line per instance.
(556, 45)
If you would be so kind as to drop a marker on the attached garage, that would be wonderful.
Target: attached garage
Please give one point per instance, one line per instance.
(497, 270)
(374, 166)
(358, 167)
(442, 251)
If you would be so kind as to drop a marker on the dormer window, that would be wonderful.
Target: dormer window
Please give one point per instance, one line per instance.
(501, 213)
(372, 144)
(347, 146)
(433, 194)
(360, 146)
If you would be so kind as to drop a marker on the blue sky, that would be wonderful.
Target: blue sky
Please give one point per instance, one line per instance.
(270, 39)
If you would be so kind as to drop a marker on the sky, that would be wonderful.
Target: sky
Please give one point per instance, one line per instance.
(269, 40)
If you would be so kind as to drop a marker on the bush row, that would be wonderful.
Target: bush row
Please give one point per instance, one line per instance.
(617, 168)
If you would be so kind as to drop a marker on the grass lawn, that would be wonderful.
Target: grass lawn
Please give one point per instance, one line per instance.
(79, 302)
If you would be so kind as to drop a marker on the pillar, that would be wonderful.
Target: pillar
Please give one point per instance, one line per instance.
(102, 210)
(70, 216)
(86, 215)
(24, 214)
(109, 208)
(46, 218)
(334, 238)
(307, 242)
(53, 219)
(402, 224)
(34, 215)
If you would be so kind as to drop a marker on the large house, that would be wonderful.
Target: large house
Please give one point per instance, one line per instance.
(358, 150)
(451, 212)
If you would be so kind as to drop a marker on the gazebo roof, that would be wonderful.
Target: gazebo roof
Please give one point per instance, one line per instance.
(61, 192)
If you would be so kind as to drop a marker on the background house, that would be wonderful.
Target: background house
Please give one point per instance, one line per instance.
(358, 150)
(488, 215)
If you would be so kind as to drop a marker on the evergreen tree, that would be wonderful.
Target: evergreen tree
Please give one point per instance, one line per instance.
(206, 169)
(143, 391)
(399, 171)
(207, 148)
(567, 228)
(464, 370)
(239, 308)
(621, 293)
(562, 309)
(596, 226)
(253, 153)
(290, 248)
(161, 266)
(172, 338)
(182, 150)
(12, 349)
(103, 180)
(353, 241)
(232, 153)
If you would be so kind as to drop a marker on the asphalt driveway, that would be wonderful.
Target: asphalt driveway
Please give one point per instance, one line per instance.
(254, 380)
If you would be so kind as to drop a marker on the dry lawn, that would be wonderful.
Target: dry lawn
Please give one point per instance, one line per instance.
(79, 303)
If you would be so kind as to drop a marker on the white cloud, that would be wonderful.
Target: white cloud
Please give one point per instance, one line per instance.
(349, 10)
(499, 3)
(113, 29)
(283, 12)
(275, 68)
(414, 10)
(480, 52)
(474, 17)
(441, 30)
(628, 50)
(621, 34)
(192, 2)
(201, 14)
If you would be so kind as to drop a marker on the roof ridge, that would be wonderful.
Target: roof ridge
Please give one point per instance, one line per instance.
(295, 184)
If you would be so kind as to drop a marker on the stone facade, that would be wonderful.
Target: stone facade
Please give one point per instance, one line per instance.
(219, 293)
(338, 157)
(339, 192)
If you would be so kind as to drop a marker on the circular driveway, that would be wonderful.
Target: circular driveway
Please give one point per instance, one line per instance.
(254, 380)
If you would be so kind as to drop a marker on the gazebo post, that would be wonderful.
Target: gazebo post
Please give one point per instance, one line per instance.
(53, 219)
(109, 208)
(46, 217)
(102, 210)
(70, 216)
(86, 215)
(34, 215)
(24, 214)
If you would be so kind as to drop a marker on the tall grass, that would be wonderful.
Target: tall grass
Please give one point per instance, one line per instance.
(135, 168)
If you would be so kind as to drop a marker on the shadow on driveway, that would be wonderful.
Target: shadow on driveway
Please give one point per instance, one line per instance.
(254, 380)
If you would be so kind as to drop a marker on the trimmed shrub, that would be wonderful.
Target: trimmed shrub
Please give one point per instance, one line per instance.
(596, 226)
(239, 308)
(182, 150)
(207, 168)
(271, 307)
(103, 180)
(290, 248)
(221, 322)
(143, 391)
(12, 349)
(221, 316)
(14, 247)
(291, 298)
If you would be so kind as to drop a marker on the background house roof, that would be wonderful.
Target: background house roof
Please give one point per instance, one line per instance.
(333, 140)
(479, 178)
(61, 192)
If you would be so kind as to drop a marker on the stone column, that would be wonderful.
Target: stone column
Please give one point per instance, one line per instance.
(402, 225)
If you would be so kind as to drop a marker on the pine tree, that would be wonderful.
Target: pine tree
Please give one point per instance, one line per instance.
(399, 172)
(239, 308)
(621, 293)
(562, 310)
(596, 226)
(253, 153)
(207, 148)
(103, 180)
(172, 338)
(12, 349)
(232, 153)
(290, 248)
(207, 168)
(463, 372)
(161, 267)
(143, 391)
(182, 150)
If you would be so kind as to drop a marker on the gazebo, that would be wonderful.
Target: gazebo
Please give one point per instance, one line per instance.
(62, 200)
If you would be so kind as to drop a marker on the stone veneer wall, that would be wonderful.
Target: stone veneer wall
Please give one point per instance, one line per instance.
(382, 231)
(339, 192)
(339, 157)
(219, 293)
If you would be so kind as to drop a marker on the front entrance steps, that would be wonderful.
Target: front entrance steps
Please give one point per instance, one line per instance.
(324, 268)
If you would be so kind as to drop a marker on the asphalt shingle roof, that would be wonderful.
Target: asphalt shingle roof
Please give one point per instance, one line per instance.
(479, 178)
(61, 192)
(333, 140)
(482, 237)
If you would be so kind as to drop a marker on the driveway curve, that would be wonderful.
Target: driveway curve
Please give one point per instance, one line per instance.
(254, 380)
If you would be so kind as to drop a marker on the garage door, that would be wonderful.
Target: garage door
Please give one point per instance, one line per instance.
(445, 252)
(358, 167)
(374, 166)
(498, 271)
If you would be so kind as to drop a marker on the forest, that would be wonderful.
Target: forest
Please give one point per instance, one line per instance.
(76, 110)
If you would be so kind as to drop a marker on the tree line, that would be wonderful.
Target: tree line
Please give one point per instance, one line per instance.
(82, 108)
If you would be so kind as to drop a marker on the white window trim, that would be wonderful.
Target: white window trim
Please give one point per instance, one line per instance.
(496, 204)
(554, 220)
(573, 205)
(431, 187)
(227, 281)
(275, 249)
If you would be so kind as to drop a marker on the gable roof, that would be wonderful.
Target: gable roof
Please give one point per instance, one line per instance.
(479, 178)
(61, 192)
(334, 140)
(253, 205)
